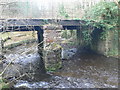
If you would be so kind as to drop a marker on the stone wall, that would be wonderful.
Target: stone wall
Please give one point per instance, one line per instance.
(52, 50)
(107, 46)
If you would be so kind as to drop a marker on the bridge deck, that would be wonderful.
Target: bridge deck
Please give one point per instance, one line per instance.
(39, 22)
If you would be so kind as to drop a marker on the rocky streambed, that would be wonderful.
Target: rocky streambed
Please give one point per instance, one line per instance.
(84, 70)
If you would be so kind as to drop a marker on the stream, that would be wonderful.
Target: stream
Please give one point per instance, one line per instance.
(84, 70)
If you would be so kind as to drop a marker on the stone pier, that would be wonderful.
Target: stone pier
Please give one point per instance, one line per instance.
(52, 50)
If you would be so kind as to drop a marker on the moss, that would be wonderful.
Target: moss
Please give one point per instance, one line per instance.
(19, 43)
(3, 85)
(113, 53)
(54, 67)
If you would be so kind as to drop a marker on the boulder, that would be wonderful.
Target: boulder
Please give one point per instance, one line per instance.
(66, 54)
(31, 65)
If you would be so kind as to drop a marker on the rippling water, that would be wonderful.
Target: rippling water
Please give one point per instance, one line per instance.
(84, 70)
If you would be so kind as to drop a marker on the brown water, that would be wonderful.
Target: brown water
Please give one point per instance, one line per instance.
(91, 70)
(84, 70)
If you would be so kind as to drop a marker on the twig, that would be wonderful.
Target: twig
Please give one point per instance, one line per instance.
(117, 2)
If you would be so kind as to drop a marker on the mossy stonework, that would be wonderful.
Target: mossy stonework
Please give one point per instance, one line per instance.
(101, 41)
(52, 58)
(108, 46)
(106, 17)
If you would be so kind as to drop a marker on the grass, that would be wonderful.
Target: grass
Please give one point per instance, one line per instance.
(17, 37)
(19, 43)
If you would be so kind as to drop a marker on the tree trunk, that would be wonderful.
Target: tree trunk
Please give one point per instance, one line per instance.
(1, 48)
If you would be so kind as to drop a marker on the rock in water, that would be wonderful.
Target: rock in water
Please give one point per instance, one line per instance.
(2, 57)
(31, 65)
(66, 54)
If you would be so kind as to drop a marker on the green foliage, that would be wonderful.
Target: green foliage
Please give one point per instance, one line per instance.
(68, 33)
(105, 12)
(103, 35)
(63, 12)
(87, 37)
(113, 52)
(105, 15)
(65, 34)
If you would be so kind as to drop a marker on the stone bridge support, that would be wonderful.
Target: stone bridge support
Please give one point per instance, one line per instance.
(47, 56)
(40, 32)
(79, 36)
(1, 48)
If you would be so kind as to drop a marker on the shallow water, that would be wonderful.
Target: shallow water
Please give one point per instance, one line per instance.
(84, 70)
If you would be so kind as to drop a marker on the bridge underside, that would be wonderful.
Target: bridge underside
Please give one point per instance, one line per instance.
(40, 25)
(8, 25)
